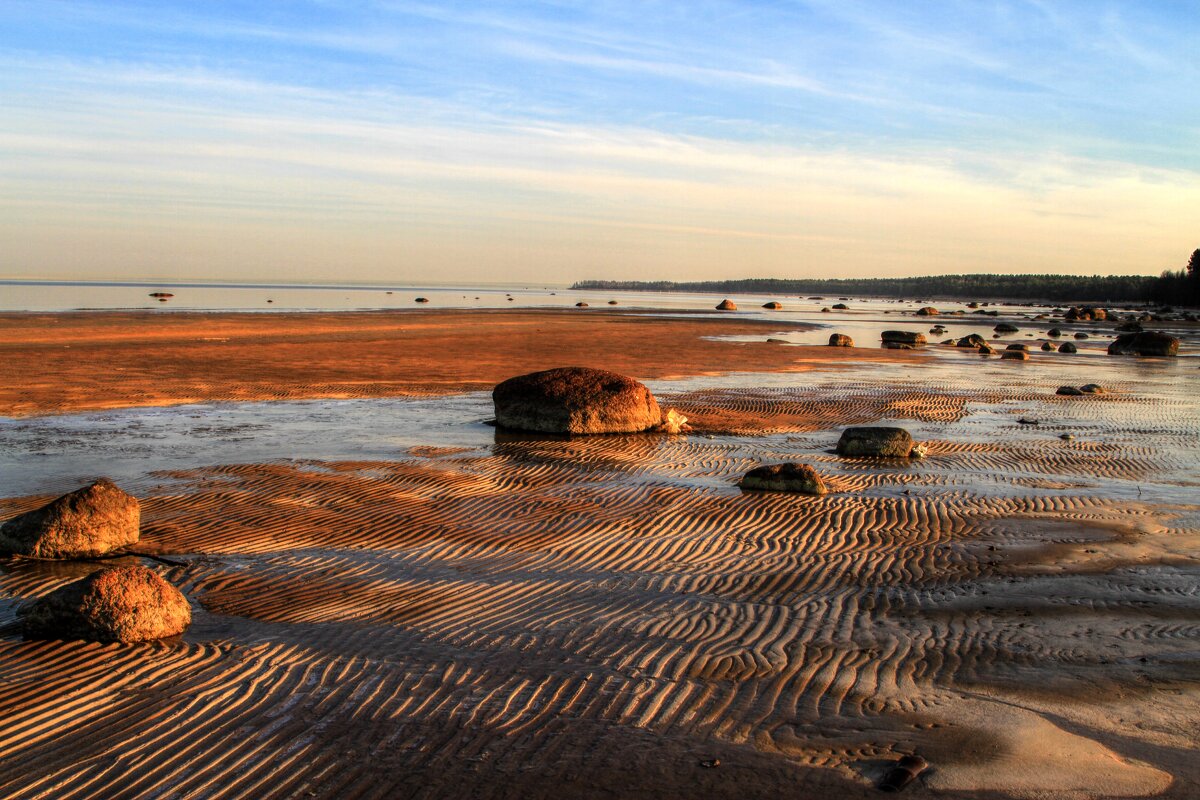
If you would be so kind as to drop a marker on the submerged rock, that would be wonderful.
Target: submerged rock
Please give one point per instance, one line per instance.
(840, 340)
(117, 604)
(791, 477)
(903, 337)
(88, 522)
(875, 441)
(727, 305)
(1146, 343)
(575, 400)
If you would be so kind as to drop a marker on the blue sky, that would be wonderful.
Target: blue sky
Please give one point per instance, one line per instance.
(561, 140)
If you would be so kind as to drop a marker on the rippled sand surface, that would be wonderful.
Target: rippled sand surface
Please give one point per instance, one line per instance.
(443, 610)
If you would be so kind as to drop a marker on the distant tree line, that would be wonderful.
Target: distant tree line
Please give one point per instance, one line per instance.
(1180, 287)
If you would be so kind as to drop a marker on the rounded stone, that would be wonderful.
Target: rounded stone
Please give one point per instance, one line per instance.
(88, 522)
(790, 477)
(875, 441)
(575, 400)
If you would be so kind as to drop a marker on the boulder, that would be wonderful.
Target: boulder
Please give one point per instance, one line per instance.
(903, 337)
(1015, 355)
(1067, 347)
(784, 478)
(986, 349)
(1093, 388)
(971, 340)
(116, 604)
(840, 307)
(1055, 332)
(972, 304)
(1146, 343)
(580, 304)
(1005, 327)
(85, 523)
(773, 306)
(840, 340)
(1047, 346)
(1018, 346)
(727, 305)
(876, 441)
(1081, 335)
(927, 311)
(1069, 391)
(575, 400)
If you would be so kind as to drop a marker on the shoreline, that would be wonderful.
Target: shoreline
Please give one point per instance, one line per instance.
(97, 360)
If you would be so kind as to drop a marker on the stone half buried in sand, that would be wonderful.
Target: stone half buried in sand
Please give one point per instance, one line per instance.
(878, 441)
(85, 523)
(1146, 343)
(117, 604)
(576, 400)
(727, 305)
(789, 477)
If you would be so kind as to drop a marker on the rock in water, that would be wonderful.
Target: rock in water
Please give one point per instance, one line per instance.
(1004, 327)
(727, 305)
(88, 522)
(1014, 355)
(840, 340)
(784, 478)
(773, 306)
(970, 340)
(903, 337)
(927, 311)
(117, 604)
(1067, 347)
(575, 400)
(894, 442)
(1146, 343)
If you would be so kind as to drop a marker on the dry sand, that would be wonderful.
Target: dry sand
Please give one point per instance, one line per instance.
(600, 617)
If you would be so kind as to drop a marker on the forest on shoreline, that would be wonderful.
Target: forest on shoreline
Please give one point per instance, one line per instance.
(1173, 287)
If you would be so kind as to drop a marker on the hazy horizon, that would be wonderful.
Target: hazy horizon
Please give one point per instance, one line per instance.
(400, 142)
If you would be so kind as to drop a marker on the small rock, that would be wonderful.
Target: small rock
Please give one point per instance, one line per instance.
(876, 441)
(840, 340)
(840, 307)
(1069, 391)
(1066, 437)
(1081, 335)
(790, 477)
(1067, 347)
(88, 522)
(1005, 327)
(1093, 388)
(1014, 355)
(727, 305)
(903, 337)
(773, 306)
(580, 304)
(927, 311)
(422, 299)
(116, 604)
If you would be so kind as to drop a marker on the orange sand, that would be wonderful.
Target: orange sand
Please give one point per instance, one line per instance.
(92, 360)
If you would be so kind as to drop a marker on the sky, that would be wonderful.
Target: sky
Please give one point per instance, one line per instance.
(548, 142)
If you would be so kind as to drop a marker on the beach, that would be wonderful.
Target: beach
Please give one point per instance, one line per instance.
(393, 598)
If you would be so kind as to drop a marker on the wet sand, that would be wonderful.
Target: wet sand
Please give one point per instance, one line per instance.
(519, 616)
(112, 359)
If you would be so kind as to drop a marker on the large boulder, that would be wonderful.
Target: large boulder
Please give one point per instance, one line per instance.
(840, 340)
(971, 340)
(784, 478)
(85, 523)
(1067, 347)
(575, 400)
(727, 305)
(1146, 343)
(876, 441)
(903, 337)
(116, 604)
